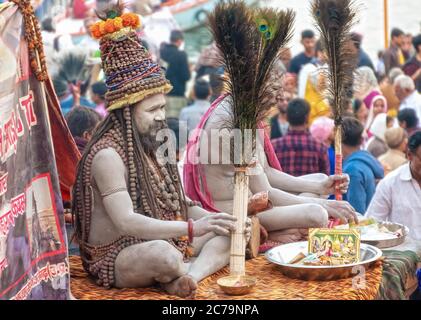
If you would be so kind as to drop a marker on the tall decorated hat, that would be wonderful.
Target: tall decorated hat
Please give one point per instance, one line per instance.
(130, 73)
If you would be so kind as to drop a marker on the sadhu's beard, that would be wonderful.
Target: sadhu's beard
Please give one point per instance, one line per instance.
(149, 142)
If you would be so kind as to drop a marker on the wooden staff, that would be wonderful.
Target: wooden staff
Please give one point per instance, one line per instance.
(386, 23)
(238, 241)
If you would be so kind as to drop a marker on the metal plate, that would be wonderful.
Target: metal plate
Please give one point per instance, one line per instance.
(388, 243)
(283, 254)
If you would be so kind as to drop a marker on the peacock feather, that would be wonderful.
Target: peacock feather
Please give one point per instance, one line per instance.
(250, 41)
(73, 67)
(334, 19)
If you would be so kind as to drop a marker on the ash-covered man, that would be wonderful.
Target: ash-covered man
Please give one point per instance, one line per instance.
(296, 201)
(134, 225)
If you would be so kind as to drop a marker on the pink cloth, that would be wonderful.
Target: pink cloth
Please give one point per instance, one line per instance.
(322, 128)
(100, 108)
(369, 101)
(372, 97)
(193, 174)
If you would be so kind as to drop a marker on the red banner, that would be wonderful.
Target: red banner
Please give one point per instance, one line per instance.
(33, 242)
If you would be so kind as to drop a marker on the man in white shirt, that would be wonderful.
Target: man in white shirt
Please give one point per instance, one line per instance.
(407, 94)
(398, 196)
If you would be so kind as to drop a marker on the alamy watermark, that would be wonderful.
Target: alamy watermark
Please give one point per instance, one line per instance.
(214, 146)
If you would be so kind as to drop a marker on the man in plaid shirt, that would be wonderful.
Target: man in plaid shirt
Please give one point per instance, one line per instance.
(298, 152)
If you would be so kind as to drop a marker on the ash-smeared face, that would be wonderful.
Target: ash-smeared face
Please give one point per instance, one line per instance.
(149, 115)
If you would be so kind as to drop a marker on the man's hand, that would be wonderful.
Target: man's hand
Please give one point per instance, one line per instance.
(340, 210)
(220, 223)
(329, 185)
(75, 90)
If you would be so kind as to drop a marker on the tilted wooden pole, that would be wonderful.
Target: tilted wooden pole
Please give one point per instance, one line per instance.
(386, 23)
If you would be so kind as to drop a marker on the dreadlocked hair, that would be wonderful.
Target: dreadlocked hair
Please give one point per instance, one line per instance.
(118, 131)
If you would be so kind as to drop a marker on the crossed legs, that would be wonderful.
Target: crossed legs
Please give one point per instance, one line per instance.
(145, 264)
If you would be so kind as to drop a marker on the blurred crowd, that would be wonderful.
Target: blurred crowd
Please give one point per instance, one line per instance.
(381, 136)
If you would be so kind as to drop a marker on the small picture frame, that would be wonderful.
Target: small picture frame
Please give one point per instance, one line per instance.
(337, 245)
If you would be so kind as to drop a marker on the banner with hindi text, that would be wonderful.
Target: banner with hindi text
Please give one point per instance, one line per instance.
(33, 250)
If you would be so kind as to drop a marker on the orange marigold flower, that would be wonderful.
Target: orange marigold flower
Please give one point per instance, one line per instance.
(126, 19)
(136, 21)
(118, 23)
(102, 27)
(109, 26)
(96, 34)
(95, 31)
(130, 20)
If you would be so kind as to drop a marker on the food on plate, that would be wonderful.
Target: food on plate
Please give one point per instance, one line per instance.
(298, 258)
(372, 230)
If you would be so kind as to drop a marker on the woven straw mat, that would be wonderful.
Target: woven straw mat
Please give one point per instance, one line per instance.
(271, 285)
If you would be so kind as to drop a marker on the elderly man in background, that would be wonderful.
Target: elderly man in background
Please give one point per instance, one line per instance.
(397, 141)
(398, 196)
(407, 94)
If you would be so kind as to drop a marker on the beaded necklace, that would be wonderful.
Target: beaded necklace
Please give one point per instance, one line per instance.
(34, 40)
(99, 259)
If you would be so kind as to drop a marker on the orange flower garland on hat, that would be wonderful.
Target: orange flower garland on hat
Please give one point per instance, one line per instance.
(127, 20)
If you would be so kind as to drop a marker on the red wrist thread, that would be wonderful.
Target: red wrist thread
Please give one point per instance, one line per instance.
(190, 230)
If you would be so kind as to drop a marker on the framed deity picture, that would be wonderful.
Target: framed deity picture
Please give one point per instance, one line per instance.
(339, 246)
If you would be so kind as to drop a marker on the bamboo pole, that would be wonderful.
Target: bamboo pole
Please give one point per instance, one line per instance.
(238, 241)
(386, 23)
(338, 170)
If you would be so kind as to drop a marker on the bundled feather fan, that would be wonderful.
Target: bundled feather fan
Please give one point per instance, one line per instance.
(73, 67)
(334, 19)
(250, 41)
(73, 71)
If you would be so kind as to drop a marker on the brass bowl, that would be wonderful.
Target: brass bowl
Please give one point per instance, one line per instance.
(229, 285)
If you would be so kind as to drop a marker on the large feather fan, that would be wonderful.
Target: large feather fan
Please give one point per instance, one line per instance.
(334, 19)
(72, 67)
(250, 41)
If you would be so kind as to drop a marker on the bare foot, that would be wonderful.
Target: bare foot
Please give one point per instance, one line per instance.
(184, 287)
